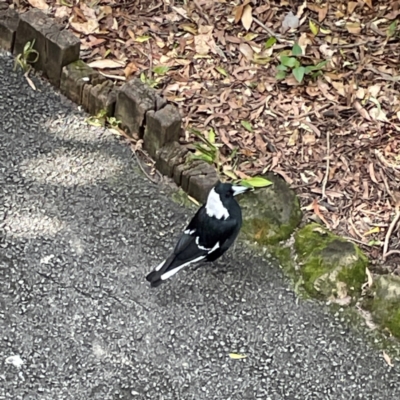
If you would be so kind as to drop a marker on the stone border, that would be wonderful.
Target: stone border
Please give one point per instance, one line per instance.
(139, 108)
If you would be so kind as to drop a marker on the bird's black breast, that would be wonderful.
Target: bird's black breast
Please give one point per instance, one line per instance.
(211, 230)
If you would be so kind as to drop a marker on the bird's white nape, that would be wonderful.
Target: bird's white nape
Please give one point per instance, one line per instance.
(214, 206)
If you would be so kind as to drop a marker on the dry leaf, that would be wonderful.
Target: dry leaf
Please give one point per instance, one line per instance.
(309, 138)
(374, 90)
(130, 69)
(339, 87)
(102, 64)
(290, 21)
(238, 13)
(62, 12)
(88, 27)
(39, 4)
(369, 275)
(322, 13)
(353, 27)
(237, 356)
(351, 6)
(368, 3)
(247, 18)
(246, 50)
(387, 359)
(363, 112)
(377, 114)
(204, 41)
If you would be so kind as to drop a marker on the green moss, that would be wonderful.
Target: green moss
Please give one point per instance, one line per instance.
(384, 303)
(271, 214)
(327, 261)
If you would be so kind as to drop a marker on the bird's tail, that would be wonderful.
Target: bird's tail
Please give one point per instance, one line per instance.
(157, 277)
(168, 268)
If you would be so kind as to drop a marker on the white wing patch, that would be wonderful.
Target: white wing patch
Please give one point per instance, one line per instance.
(214, 206)
(189, 232)
(210, 250)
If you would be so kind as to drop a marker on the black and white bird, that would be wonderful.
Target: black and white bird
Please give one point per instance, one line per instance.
(209, 234)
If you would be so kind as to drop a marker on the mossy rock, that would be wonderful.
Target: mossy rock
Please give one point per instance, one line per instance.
(270, 214)
(385, 304)
(329, 265)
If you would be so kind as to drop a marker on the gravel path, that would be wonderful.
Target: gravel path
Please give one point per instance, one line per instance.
(80, 228)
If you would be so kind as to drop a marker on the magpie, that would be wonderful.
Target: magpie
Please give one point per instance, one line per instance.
(209, 234)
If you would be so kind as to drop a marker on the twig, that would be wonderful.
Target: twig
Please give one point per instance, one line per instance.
(389, 253)
(149, 177)
(389, 232)
(309, 113)
(349, 45)
(356, 240)
(325, 180)
(150, 57)
(271, 32)
(354, 228)
(385, 162)
(200, 10)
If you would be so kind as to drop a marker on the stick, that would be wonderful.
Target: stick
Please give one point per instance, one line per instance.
(149, 177)
(325, 180)
(389, 233)
(200, 10)
(392, 252)
(271, 32)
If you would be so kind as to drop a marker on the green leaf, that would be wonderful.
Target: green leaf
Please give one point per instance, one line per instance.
(211, 136)
(143, 38)
(281, 67)
(298, 73)
(314, 28)
(297, 50)
(256, 181)
(246, 125)
(230, 174)
(270, 42)
(204, 150)
(392, 29)
(203, 157)
(320, 65)
(289, 61)
(280, 75)
(221, 71)
(161, 69)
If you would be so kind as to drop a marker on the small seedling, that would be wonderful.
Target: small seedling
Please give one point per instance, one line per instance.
(148, 81)
(292, 64)
(208, 151)
(102, 119)
(25, 58)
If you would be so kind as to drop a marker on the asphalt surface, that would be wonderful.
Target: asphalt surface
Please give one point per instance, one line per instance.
(79, 229)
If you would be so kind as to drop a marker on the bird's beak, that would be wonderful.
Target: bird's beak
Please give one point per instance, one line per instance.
(240, 189)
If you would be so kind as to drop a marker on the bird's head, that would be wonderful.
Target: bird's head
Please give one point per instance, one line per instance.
(220, 198)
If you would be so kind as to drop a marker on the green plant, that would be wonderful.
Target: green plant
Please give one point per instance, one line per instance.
(291, 64)
(208, 150)
(25, 58)
(148, 80)
(102, 119)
